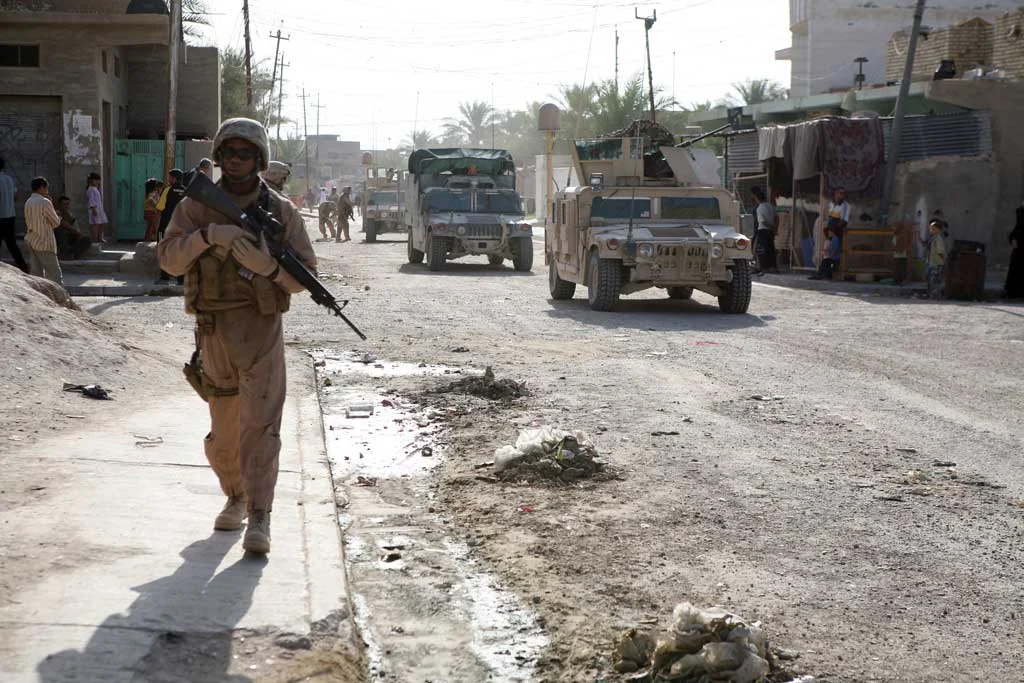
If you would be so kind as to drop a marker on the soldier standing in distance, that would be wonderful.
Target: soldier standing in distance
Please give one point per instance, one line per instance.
(345, 212)
(237, 292)
(277, 175)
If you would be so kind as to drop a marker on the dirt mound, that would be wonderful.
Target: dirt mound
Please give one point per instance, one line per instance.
(49, 341)
(486, 386)
(548, 454)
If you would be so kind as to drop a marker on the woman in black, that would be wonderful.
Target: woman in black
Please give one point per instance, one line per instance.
(1015, 276)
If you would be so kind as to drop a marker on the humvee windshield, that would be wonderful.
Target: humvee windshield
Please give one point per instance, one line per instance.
(605, 207)
(384, 198)
(497, 202)
(704, 208)
(446, 201)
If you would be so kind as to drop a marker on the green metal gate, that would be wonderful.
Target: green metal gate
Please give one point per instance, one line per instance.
(135, 162)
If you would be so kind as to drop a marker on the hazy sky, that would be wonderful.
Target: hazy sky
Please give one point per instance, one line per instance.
(382, 67)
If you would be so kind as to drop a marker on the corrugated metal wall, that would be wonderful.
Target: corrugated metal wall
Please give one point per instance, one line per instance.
(743, 152)
(962, 134)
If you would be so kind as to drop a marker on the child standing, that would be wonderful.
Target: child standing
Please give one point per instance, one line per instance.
(149, 212)
(97, 216)
(830, 256)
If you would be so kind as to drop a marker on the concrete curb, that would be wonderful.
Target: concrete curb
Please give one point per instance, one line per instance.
(992, 291)
(125, 290)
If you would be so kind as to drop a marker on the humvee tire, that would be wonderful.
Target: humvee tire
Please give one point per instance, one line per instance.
(736, 296)
(495, 259)
(560, 289)
(522, 254)
(415, 255)
(437, 252)
(604, 282)
(680, 293)
(370, 228)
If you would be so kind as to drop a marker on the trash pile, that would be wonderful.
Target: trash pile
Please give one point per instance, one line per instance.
(548, 454)
(703, 645)
(486, 386)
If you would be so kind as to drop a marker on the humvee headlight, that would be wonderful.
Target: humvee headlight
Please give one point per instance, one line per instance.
(612, 243)
(645, 250)
(730, 242)
(461, 230)
(742, 243)
(716, 251)
(526, 227)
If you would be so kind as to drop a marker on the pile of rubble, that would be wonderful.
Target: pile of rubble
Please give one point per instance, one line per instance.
(486, 386)
(548, 454)
(702, 645)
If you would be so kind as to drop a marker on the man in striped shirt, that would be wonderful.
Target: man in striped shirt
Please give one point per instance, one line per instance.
(41, 219)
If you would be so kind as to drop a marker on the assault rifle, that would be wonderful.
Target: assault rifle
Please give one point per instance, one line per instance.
(261, 223)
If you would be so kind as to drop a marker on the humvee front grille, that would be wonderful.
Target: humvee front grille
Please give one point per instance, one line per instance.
(483, 232)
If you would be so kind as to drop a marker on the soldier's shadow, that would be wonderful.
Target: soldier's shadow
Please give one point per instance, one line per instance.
(178, 630)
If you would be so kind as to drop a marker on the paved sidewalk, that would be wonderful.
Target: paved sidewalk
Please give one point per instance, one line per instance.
(133, 584)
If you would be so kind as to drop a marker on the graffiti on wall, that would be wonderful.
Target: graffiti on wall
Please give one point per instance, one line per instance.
(31, 145)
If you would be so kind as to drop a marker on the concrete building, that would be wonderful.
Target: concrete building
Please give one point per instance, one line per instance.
(330, 158)
(828, 35)
(78, 75)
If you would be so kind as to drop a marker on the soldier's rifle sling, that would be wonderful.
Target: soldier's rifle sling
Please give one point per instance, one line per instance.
(259, 222)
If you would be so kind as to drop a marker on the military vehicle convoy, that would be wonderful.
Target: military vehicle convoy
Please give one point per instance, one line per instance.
(463, 202)
(383, 203)
(643, 219)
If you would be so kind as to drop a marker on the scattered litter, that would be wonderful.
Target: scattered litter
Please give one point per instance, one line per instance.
(664, 433)
(328, 382)
(483, 465)
(460, 349)
(764, 397)
(368, 358)
(391, 556)
(548, 454)
(90, 390)
(169, 325)
(36, 488)
(75, 417)
(319, 363)
(143, 441)
(359, 410)
(486, 386)
(366, 481)
(707, 343)
(524, 508)
(943, 463)
(910, 451)
(702, 645)
(388, 403)
(426, 451)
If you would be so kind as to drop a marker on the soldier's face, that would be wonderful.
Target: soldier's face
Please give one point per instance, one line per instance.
(239, 158)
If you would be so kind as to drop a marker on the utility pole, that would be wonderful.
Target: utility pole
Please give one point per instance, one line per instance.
(248, 55)
(170, 129)
(280, 96)
(617, 58)
(317, 153)
(305, 129)
(897, 118)
(273, 78)
(648, 24)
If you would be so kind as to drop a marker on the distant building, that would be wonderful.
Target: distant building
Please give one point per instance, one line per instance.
(330, 158)
(828, 35)
(83, 88)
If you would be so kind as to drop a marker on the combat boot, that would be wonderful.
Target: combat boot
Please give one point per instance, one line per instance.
(230, 518)
(257, 534)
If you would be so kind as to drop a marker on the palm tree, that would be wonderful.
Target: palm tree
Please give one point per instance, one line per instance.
(615, 109)
(577, 103)
(474, 125)
(755, 91)
(194, 18)
(419, 139)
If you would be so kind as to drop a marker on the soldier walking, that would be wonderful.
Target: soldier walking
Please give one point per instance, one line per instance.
(237, 292)
(345, 212)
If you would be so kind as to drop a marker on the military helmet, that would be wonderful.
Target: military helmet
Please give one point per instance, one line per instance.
(245, 129)
(277, 172)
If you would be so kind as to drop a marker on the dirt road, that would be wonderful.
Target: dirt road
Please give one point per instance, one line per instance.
(866, 508)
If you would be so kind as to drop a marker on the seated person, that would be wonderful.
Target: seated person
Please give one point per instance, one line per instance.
(71, 243)
(831, 254)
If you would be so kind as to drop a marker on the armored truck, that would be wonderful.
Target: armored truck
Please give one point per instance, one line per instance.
(463, 202)
(645, 218)
(383, 203)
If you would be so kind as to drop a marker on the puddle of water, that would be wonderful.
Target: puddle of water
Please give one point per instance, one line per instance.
(388, 444)
(506, 636)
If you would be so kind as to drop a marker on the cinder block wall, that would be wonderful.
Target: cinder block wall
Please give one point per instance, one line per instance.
(969, 44)
(1008, 44)
(198, 91)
